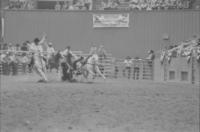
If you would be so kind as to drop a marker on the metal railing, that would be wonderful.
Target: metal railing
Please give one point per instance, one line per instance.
(140, 69)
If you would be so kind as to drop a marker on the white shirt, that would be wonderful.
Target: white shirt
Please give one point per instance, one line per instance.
(36, 49)
(50, 50)
(12, 58)
(128, 62)
(88, 1)
(2, 57)
(66, 51)
(24, 59)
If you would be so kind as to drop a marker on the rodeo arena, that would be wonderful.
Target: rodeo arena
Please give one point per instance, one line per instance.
(100, 66)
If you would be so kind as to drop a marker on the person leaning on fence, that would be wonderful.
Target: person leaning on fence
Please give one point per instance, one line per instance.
(5, 46)
(30, 46)
(13, 63)
(24, 61)
(102, 56)
(24, 46)
(136, 68)
(57, 6)
(115, 66)
(88, 4)
(5, 63)
(150, 57)
(128, 65)
(1, 46)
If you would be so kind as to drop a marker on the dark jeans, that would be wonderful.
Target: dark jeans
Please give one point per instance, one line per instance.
(136, 72)
(66, 73)
(116, 72)
(24, 67)
(5, 68)
(14, 68)
(128, 69)
(87, 5)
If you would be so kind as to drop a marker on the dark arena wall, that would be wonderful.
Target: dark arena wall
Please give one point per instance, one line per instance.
(146, 29)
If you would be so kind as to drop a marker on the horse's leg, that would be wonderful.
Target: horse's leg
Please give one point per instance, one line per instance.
(99, 72)
(59, 71)
(90, 71)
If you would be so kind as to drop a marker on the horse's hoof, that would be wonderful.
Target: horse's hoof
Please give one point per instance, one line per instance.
(42, 81)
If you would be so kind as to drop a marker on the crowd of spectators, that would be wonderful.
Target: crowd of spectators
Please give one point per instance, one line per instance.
(146, 4)
(10, 58)
(108, 4)
(74, 5)
(185, 49)
(26, 4)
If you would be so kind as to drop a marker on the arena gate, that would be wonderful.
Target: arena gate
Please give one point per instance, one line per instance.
(178, 70)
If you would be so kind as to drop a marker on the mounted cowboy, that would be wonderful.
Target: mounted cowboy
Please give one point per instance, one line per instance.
(67, 65)
(92, 64)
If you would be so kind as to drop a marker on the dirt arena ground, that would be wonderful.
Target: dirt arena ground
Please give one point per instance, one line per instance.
(111, 106)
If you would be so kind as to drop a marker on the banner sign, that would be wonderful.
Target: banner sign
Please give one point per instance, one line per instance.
(110, 20)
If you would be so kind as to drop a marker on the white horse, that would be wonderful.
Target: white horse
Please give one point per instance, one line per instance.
(90, 68)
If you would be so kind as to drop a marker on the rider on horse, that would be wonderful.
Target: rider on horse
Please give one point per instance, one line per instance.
(68, 64)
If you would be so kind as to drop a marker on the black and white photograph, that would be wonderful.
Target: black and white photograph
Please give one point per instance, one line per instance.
(99, 65)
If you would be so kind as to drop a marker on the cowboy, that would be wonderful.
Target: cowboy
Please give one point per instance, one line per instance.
(50, 51)
(39, 63)
(67, 65)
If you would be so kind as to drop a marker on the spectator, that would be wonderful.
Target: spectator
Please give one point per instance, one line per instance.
(128, 64)
(17, 47)
(79, 4)
(136, 68)
(151, 55)
(1, 46)
(24, 47)
(71, 6)
(13, 64)
(102, 56)
(65, 5)
(143, 4)
(11, 48)
(24, 61)
(115, 67)
(134, 4)
(5, 63)
(5, 46)
(57, 6)
(88, 4)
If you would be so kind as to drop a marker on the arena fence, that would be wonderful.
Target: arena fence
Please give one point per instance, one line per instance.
(112, 68)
